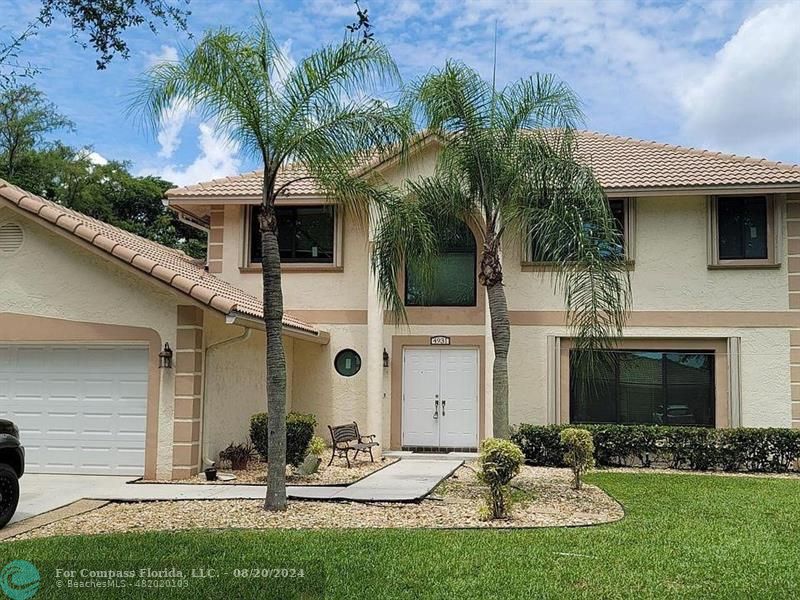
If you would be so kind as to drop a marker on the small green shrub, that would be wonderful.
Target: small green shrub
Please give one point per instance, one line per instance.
(579, 454)
(317, 446)
(499, 462)
(299, 431)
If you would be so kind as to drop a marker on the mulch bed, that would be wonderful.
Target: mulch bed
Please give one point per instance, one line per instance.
(542, 497)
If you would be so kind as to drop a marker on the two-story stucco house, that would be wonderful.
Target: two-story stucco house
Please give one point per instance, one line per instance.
(713, 338)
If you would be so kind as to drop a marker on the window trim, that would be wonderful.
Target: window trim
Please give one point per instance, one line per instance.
(774, 222)
(337, 266)
(629, 241)
(722, 369)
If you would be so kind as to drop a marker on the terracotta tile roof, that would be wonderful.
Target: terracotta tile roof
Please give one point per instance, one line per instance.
(627, 163)
(168, 265)
(248, 185)
(619, 163)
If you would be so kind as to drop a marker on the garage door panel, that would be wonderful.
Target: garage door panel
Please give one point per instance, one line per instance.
(80, 409)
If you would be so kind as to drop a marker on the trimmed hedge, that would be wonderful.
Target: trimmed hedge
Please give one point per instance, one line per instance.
(769, 450)
(299, 431)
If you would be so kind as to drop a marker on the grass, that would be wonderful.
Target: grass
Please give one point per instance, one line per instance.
(684, 536)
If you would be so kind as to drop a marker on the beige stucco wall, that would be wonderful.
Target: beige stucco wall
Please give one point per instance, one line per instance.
(52, 277)
(235, 386)
(320, 390)
(312, 290)
(671, 267)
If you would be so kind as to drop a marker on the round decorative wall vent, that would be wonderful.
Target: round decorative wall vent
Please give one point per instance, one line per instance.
(11, 236)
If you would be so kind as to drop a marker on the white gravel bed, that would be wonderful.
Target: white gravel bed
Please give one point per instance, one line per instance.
(543, 498)
(256, 473)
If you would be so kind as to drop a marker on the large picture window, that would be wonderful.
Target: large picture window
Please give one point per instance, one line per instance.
(306, 234)
(453, 273)
(643, 386)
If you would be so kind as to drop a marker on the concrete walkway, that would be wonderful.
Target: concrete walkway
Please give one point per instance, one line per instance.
(402, 481)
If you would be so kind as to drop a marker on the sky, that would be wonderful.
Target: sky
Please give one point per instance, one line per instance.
(723, 75)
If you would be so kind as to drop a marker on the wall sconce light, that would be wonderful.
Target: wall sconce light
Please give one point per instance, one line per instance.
(385, 359)
(165, 357)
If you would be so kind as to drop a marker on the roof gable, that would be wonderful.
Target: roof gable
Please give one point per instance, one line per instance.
(168, 265)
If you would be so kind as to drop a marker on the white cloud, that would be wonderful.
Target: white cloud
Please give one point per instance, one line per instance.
(748, 101)
(96, 158)
(174, 118)
(172, 122)
(218, 158)
(165, 54)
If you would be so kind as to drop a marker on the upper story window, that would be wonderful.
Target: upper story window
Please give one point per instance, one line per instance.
(306, 234)
(742, 231)
(645, 386)
(621, 213)
(454, 273)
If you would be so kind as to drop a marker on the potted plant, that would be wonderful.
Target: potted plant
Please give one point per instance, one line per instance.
(238, 455)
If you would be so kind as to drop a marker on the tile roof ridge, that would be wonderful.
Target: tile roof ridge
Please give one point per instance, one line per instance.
(694, 151)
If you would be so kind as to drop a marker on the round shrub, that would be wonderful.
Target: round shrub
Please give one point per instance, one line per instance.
(579, 452)
(499, 462)
(299, 431)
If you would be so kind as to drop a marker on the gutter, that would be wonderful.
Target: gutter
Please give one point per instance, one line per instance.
(245, 335)
(242, 320)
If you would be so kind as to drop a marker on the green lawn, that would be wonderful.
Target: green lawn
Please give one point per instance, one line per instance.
(684, 536)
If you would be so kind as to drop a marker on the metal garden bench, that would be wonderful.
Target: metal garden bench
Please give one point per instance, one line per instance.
(346, 438)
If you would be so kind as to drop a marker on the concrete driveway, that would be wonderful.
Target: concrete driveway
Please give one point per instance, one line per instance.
(43, 493)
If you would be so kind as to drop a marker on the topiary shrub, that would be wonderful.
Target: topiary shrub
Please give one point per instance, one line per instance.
(499, 462)
(299, 431)
(579, 454)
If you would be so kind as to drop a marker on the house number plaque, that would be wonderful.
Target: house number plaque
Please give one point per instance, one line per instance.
(440, 340)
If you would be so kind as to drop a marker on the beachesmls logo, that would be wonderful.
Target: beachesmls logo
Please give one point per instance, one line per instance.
(19, 580)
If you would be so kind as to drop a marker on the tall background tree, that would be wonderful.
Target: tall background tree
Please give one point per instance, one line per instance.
(318, 113)
(508, 168)
(103, 25)
(81, 179)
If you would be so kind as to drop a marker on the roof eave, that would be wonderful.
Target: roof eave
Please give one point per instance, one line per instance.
(251, 322)
(774, 188)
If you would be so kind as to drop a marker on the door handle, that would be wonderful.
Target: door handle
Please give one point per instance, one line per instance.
(444, 403)
(436, 409)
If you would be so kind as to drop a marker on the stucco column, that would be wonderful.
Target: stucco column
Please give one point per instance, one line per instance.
(374, 423)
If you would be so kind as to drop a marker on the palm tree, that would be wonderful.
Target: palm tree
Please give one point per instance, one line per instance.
(507, 167)
(317, 113)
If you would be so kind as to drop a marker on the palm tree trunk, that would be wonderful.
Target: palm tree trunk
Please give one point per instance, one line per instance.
(491, 276)
(501, 338)
(275, 361)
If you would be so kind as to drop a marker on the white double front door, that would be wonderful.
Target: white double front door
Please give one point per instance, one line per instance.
(440, 397)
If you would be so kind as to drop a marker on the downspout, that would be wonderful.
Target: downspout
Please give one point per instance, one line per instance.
(204, 460)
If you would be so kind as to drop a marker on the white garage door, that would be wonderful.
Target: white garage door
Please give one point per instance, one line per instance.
(80, 409)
